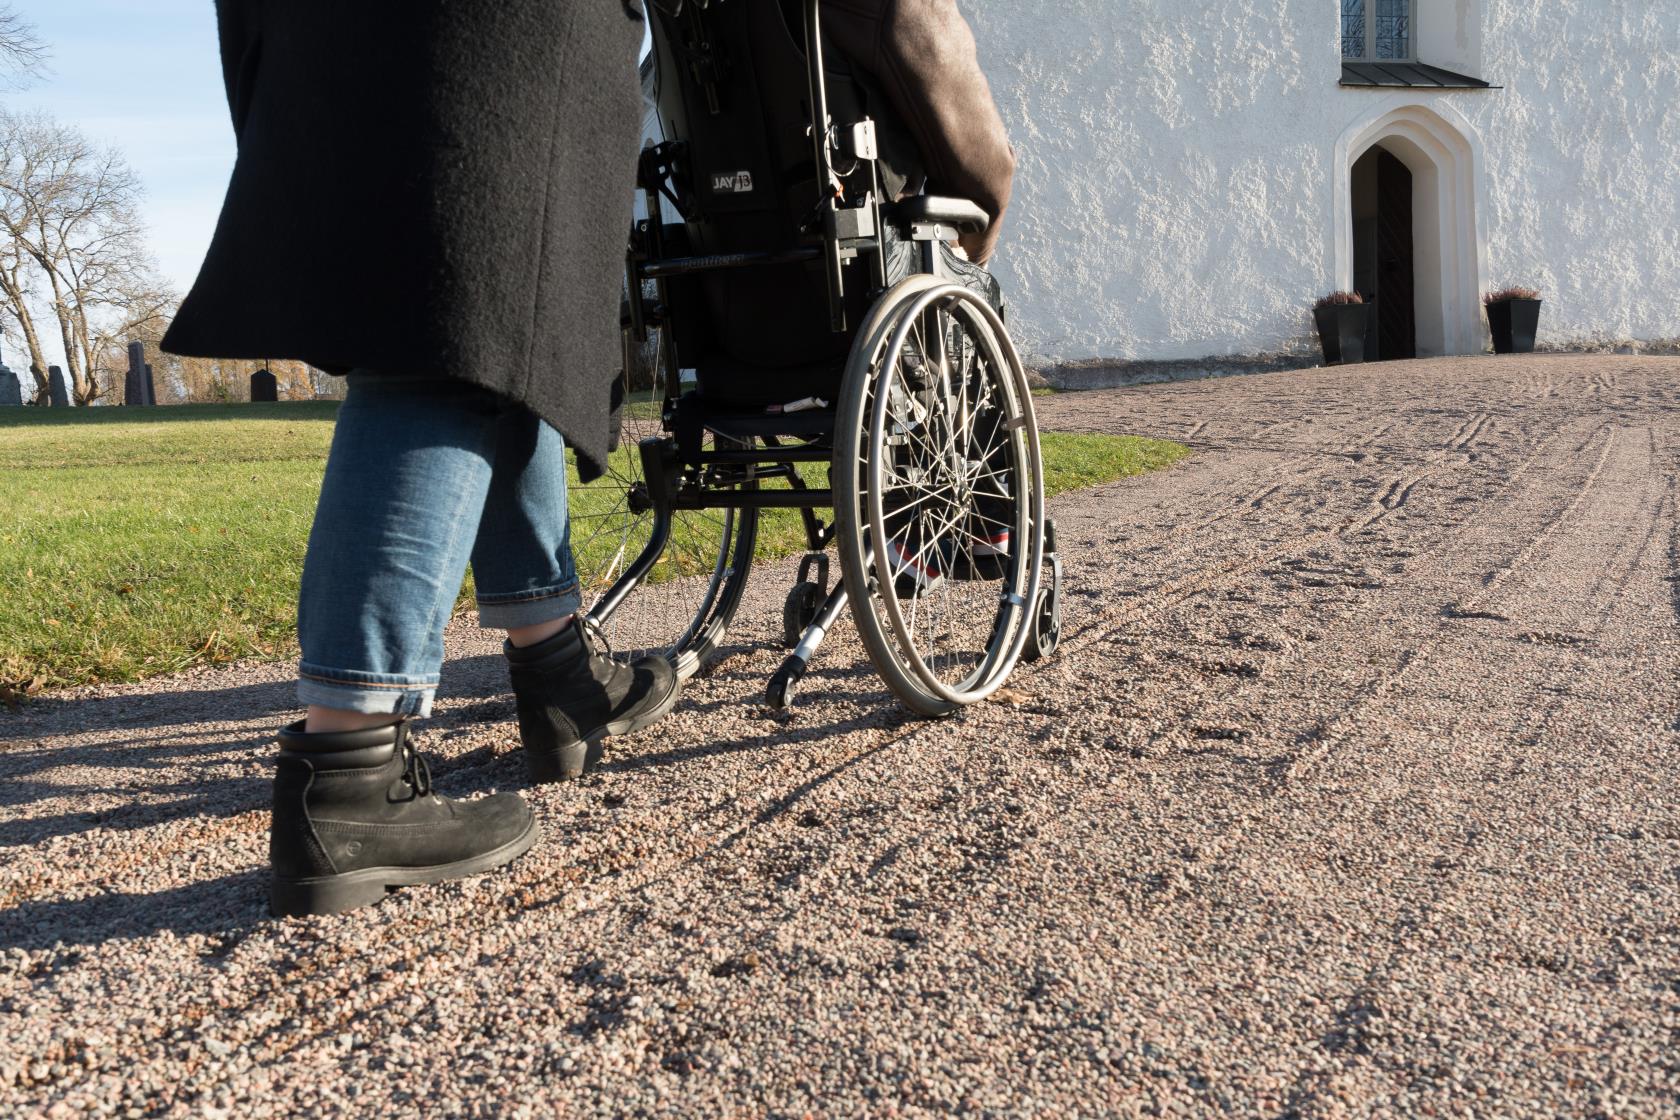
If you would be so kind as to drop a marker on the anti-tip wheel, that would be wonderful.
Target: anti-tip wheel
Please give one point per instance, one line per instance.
(779, 692)
(1046, 632)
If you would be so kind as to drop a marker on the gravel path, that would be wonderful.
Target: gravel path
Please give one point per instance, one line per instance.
(1355, 791)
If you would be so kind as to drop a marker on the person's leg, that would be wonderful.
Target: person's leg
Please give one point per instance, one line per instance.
(570, 693)
(354, 808)
(400, 505)
(522, 559)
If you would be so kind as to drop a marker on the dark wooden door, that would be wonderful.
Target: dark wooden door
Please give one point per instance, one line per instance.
(1396, 310)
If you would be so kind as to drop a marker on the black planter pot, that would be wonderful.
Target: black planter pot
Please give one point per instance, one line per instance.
(1341, 331)
(1514, 323)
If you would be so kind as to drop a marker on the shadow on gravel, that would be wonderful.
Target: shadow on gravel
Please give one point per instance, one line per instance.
(217, 906)
(211, 801)
(781, 736)
(228, 777)
(481, 678)
(50, 715)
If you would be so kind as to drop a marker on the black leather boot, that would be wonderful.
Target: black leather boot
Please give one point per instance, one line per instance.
(571, 694)
(355, 814)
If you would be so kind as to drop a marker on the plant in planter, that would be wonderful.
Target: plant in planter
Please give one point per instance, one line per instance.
(1340, 317)
(1514, 317)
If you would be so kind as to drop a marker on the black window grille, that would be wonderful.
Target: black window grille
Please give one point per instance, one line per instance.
(1378, 29)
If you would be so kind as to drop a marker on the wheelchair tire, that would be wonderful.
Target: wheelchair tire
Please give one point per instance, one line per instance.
(684, 606)
(939, 495)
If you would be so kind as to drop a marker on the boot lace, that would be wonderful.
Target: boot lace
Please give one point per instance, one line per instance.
(416, 772)
(596, 638)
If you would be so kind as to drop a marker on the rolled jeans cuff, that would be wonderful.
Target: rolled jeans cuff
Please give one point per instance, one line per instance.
(528, 608)
(372, 693)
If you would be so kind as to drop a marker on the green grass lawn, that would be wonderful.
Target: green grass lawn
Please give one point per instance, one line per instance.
(133, 544)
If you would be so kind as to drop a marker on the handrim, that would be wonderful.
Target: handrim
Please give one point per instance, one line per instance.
(887, 332)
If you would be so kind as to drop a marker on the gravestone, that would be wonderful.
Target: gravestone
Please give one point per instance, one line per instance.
(57, 394)
(265, 387)
(134, 385)
(11, 393)
(151, 389)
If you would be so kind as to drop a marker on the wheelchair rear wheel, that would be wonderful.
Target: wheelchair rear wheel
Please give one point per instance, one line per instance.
(939, 495)
(684, 603)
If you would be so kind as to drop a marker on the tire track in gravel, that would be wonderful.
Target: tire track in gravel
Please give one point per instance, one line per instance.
(1323, 740)
(1607, 589)
(1372, 693)
(1466, 431)
(1575, 643)
(543, 898)
(1167, 595)
(1294, 768)
(987, 900)
(1298, 464)
(1218, 576)
(1473, 605)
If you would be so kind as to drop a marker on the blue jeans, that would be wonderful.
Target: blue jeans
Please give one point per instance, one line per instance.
(423, 474)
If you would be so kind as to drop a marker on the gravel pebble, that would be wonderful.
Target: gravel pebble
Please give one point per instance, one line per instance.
(1353, 792)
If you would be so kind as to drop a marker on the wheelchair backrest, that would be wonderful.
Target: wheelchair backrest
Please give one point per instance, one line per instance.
(730, 84)
(731, 87)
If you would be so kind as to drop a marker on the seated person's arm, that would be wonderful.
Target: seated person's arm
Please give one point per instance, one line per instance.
(922, 52)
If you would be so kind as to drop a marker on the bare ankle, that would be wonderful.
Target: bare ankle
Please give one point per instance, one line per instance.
(521, 636)
(329, 721)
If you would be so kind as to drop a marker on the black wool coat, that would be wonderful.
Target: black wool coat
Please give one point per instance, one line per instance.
(429, 186)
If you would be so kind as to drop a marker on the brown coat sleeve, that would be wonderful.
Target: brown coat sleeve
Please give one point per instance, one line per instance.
(922, 52)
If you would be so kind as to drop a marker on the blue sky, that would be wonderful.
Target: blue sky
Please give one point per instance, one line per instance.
(144, 76)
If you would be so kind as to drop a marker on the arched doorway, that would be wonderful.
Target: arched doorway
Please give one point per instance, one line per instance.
(1384, 269)
(1442, 159)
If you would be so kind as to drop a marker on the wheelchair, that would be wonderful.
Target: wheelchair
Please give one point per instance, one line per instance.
(783, 316)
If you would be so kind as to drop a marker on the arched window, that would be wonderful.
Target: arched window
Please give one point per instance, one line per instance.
(1379, 30)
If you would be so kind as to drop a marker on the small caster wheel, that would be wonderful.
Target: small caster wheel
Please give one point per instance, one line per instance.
(1045, 632)
(779, 693)
(799, 611)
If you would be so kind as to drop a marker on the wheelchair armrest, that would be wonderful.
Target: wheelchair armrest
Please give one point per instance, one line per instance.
(959, 212)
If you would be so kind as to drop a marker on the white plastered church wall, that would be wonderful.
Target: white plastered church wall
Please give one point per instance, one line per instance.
(1583, 163)
(1182, 190)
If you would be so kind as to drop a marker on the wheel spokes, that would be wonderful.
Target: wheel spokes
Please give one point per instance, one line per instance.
(944, 466)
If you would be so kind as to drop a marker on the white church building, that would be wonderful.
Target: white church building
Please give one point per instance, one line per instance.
(1194, 173)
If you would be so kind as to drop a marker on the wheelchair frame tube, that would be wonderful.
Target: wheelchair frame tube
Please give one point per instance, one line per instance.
(776, 456)
(825, 164)
(753, 499)
(685, 266)
(638, 570)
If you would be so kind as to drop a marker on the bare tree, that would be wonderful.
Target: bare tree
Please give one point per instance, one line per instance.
(131, 305)
(17, 288)
(23, 57)
(226, 380)
(205, 380)
(76, 249)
